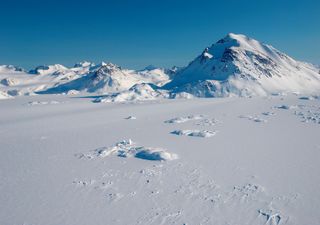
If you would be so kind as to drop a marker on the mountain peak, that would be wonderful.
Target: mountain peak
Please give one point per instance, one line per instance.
(232, 40)
(83, 64)
(241, 65)
(109, 65)
(47, 69)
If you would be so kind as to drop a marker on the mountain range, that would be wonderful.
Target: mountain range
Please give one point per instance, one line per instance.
(236, 65)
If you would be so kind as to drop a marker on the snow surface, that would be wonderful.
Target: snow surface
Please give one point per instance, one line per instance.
(155, 153)
(66, 164)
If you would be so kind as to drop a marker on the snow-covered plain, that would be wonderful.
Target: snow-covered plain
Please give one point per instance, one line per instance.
(67, 160)
(99, 144)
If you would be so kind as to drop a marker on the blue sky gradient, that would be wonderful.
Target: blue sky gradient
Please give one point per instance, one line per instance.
(134, 34)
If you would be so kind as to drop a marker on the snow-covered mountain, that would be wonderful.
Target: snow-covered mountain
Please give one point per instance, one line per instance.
(15, 81)
(10, 69)
(239, 65)
(234, 66)
(44, 70)
(110, 78)
(82, 77)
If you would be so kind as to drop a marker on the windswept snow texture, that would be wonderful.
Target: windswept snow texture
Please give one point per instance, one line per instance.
(64, 164)
(241, 66)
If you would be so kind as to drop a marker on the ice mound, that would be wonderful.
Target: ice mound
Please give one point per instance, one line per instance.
(4, 95)
(9, 82)
(131, 118)
(184, 119)
(43, 103)
(195, 133)
(155, 154)
(181, 95)
(307, 98)
(309, 115)
(254, 118)
(268, 113)
(72, 92)
(127, 148)
(271, 217)
(286, 107)
(14, 92)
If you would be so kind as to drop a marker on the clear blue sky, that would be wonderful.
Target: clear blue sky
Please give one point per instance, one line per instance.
(135, 33)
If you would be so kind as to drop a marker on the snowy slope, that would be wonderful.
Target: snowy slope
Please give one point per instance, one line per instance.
(138, 92)
(237, 161)
(239, 65)
(156, 75)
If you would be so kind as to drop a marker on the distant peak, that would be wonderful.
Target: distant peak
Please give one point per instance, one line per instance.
(108, 65)
(11, 67)
(42, 69)
(103, 63)
(83, 64)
